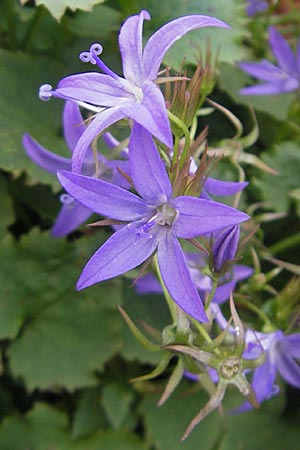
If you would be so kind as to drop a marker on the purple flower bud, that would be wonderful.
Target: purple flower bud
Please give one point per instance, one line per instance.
(225, 247)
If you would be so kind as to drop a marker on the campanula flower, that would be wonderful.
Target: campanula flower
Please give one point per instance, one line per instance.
(154, 222)
(256, 6)
(285, 77)
(72, 213)
(282, 354)
(135, 96)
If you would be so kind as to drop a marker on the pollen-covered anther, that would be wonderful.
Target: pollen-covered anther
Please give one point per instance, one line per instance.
(230, 367)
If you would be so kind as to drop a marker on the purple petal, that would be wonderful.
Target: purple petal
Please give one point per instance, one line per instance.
(103, 198)
(198, 216)
(95, 88)
(131, 47)
(225, 246)
(70, 217)
(177, 278)
(43, 158)
(151, 113)
(123, 251)
(148, 284)
(160, 42)
(291, 345)
(147, 170)
(73, 124)
(283, 52)
(223, 188)
(282, 87)
(264, 70)
(102, 121)
(288, 368)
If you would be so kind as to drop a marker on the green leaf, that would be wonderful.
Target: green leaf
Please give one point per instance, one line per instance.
(275, 190)
(45, 428)
(58, 7)
(100, 23)
(21, 111)
(7, 212)
(116, 402)
(88, 416)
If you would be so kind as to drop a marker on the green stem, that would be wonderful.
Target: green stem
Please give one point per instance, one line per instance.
(211, 294)
(33, 27)
(171, 304)
(187, 137)
(285, 244)
(256, 310)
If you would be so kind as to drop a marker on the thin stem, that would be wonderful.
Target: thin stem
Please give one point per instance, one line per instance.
(171, 304)
(285, 244)
(187, 137)
(211, 294)
(256, 310)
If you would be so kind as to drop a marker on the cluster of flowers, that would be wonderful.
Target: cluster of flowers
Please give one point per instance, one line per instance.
(154, 194)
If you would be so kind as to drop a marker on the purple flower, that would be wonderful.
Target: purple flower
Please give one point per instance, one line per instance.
(72, 213)
(279, 79)
(155, 221)
(136, 95)
(281, 353)
(225, 246)
(256, 6)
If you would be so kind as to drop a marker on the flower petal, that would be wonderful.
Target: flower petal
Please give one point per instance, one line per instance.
(283, 52)
(147, 170)
(131, 47)
(151, 113)
(282, 87)
(43, 158)
(123, 251)
(291, 344)
(70, 217)
(288, 368)
(198, 216)
(95, 88)
(177, 278)
(160, 42)
(219, 187)
(102, 121)
(264, 70)
(103, 198)
(73, 124)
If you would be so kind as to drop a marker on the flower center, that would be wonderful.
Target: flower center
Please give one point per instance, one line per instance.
(230, 367)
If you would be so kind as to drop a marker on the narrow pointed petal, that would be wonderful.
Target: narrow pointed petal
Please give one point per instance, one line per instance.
(73, 124)
(291, 344)
(102, 121)
(123, 251)
(288, 85)
(160, 42)
(147, 170)
(151, 113)
(198, 216)
(103, 198)
(177, 278)
(43, 158)
(70, 217)
(282, 51)
(264, 70)
(288, 368)
(95, 88)
(219, 187)
(131, 47)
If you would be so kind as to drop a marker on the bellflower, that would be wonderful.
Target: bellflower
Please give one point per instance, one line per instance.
(282, 352)
(155, 221)
(256, 6)
(279, 79)
(72, 213)
(135, 96)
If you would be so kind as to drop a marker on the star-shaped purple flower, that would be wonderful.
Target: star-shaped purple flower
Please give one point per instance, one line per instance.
(136, 95)
(282, 355)
(155, 221)
(72, 213)
(279, 79)
(256, 6)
